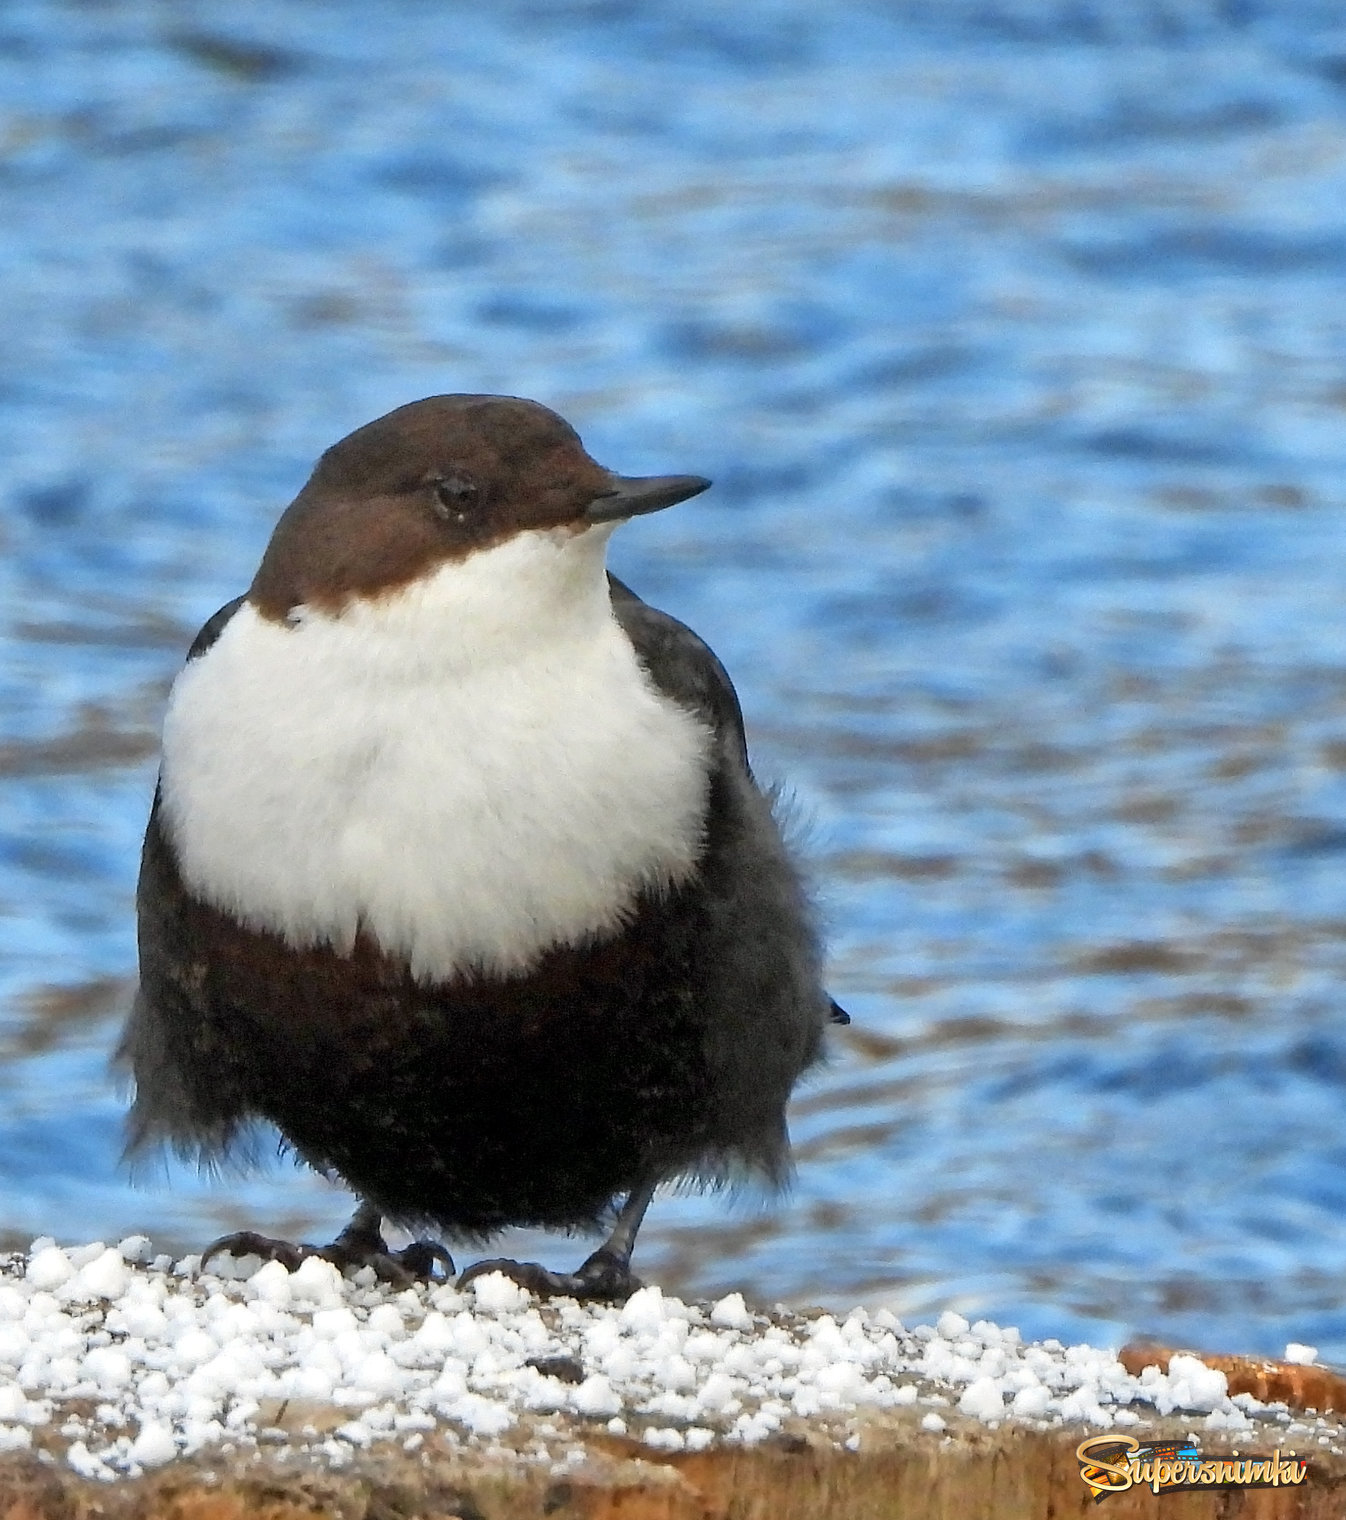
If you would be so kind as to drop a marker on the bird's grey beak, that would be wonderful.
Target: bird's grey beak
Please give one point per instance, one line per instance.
(634, 495)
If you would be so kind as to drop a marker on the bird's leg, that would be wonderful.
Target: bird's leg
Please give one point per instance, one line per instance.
(360, 1244)
(605, 1277)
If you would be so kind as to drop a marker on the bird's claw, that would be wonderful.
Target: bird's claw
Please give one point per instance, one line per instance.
(249, 1243)
(604, 1278)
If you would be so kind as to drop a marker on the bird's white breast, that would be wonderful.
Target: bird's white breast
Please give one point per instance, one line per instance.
(471, 769)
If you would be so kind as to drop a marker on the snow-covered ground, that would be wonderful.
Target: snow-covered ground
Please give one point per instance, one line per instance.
(115, 1361)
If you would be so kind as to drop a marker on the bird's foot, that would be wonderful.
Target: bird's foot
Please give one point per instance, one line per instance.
(352, 1249)
(605, 1278)
(249, 1243)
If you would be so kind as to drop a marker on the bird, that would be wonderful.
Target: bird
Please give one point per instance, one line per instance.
(457, 875)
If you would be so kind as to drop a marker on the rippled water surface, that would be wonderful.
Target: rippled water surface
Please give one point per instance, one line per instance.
(1013, 335)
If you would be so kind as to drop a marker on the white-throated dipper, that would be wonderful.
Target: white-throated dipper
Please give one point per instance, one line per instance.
(457, 873)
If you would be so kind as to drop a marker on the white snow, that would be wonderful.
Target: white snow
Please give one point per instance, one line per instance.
(1191, 1385)
(596, 1396)
(154, 1445)
(173, 1361)
(983, 1400)
(49, 1268)
(731, 1313)
(497, 1294)
(1303, 1356)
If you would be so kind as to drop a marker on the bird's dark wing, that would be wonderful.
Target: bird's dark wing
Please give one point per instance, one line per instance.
(212, 629)
(682, 666)
(685, 668)
(177, 1099)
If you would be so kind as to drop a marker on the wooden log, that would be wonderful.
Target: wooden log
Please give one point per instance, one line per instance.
(1272, 1382)
(899, 1472)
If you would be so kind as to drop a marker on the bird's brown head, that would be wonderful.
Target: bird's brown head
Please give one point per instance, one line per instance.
(434, 482)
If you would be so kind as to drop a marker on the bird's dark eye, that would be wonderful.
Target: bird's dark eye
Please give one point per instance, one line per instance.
(456, 495)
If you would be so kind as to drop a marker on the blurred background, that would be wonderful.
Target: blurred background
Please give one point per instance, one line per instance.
(1013, 333)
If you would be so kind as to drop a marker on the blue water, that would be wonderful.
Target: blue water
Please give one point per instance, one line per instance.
(1013, 334)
